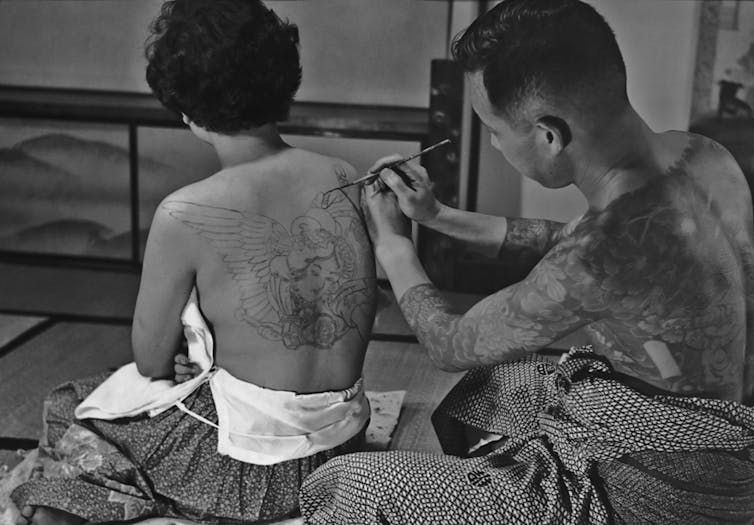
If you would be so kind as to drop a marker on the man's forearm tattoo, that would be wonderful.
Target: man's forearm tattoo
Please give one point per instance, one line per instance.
(457, 341)
(440, 331)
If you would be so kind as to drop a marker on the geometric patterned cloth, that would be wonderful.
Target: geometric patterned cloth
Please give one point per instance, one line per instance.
(579, 447)
(167, 465)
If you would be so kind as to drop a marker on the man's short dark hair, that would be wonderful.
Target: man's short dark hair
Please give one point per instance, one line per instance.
(544, 50)
(229, 65)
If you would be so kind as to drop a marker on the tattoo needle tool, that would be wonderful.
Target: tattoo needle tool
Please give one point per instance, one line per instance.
(371, 176)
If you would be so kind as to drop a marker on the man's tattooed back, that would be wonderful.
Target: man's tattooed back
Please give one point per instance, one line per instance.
(661, 278)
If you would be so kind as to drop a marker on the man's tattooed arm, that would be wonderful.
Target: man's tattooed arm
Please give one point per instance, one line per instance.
(441, 331)
(519, 319)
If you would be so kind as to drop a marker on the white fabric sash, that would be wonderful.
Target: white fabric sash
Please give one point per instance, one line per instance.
(255, 424)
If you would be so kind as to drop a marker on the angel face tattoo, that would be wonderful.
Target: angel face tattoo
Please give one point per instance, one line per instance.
(307, 285)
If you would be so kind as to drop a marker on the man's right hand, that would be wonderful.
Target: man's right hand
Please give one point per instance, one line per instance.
(184, 369)
(420, 205)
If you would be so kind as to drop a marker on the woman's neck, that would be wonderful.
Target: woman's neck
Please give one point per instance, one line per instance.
(248, 145)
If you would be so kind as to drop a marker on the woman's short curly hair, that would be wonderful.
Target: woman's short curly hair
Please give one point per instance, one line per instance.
(228, 65)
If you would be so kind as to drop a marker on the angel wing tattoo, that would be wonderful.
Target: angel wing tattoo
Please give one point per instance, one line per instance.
(303, 286)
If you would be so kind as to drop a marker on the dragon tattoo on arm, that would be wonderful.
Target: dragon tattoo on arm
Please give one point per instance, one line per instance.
(510, 323)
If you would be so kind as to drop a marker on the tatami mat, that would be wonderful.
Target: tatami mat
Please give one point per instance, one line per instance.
(405, 366)
(12, 327)
(67, 292)
(63, 352)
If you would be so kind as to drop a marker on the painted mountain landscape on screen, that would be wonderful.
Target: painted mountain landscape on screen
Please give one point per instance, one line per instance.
(67, 195)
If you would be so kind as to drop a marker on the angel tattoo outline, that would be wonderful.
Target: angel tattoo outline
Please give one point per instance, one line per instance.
(300, 286)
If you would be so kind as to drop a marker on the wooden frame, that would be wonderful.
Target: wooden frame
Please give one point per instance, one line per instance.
(135, 110)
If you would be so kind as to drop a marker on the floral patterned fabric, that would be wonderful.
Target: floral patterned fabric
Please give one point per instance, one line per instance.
(162, 466)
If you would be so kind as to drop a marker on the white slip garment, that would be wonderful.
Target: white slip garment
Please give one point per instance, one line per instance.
(255, 425)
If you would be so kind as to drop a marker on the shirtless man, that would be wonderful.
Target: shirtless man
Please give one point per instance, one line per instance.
(285, 281)
(659, 271)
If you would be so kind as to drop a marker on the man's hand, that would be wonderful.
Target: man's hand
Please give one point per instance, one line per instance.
(184, 369)
(419, 205)
(384, 218)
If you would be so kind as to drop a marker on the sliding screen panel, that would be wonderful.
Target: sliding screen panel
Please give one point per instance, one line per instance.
(168, 159)
(64, 189)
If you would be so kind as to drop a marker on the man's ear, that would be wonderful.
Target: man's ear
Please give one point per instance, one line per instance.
(553, 134)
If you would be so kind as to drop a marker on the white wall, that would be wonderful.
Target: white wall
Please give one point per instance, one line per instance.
(367, 51)
(75, 43)
(658, 40)
(353, 51)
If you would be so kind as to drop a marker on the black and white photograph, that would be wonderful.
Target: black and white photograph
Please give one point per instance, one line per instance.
(376, 262)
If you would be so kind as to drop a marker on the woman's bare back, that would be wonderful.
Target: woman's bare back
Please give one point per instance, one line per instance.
(284, 273)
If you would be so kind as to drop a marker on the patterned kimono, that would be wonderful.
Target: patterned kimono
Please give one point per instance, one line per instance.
(579, 447)
(166, 465)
